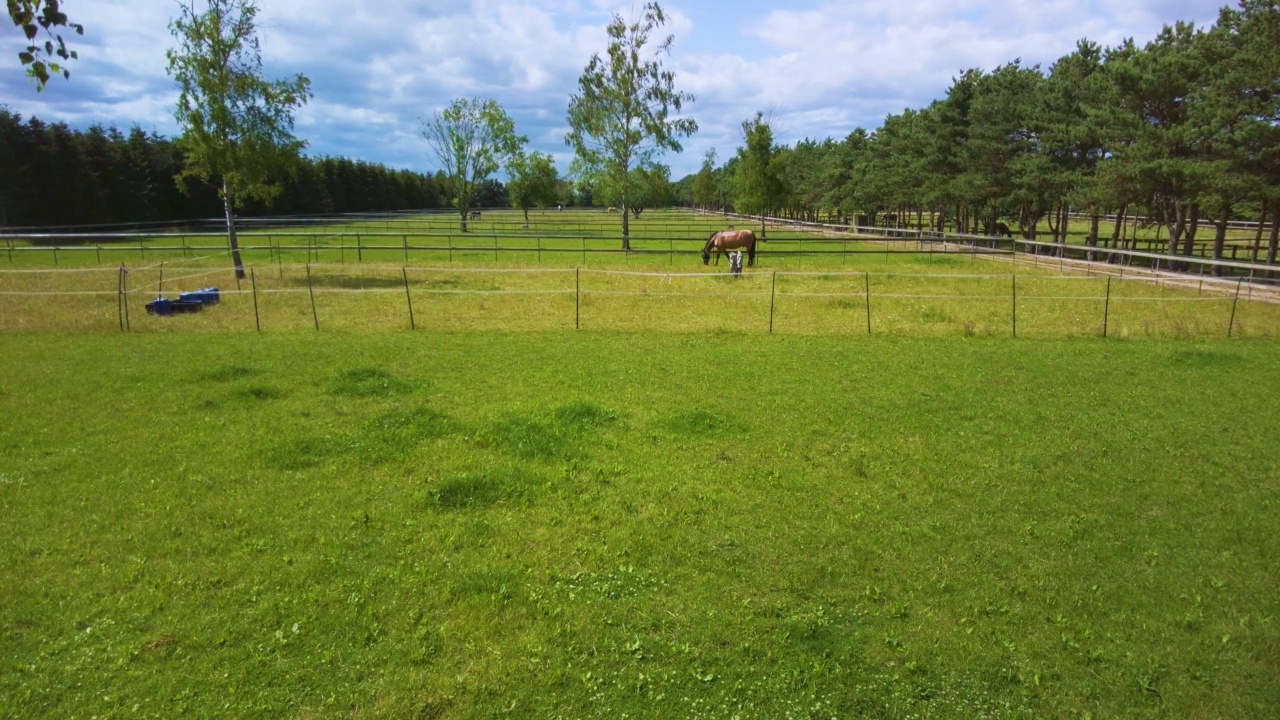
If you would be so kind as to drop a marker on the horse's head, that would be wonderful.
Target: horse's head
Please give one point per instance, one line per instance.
(706, 249)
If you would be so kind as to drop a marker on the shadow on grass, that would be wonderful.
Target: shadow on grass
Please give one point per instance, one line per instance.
(350, 282)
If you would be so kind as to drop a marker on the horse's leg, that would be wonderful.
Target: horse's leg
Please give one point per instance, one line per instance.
(751, 255)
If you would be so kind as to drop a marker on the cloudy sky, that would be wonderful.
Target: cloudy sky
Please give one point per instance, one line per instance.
(823, 68)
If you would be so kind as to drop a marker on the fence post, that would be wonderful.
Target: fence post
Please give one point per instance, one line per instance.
(408, 298)
(584, 251)
(577, 297)
(539, 249)
(160, 288)
(866, 277)
(311, 291)
(253, 280)
(359, 249)
(404, 240)
(184, 247)
(120, 298)
(97, 248)
(55, 256)
(1015, 304)
(280, 262)
(1231, 325)
(449, 239)
(773, 291)
(1106, 308)
(124, 293)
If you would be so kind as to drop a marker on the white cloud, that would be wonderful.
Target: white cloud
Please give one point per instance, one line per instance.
(377, 68)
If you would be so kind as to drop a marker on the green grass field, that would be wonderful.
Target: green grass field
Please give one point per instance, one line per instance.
(560, 524)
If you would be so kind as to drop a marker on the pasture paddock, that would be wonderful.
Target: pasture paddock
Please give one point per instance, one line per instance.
(560, 524)
(565, 271)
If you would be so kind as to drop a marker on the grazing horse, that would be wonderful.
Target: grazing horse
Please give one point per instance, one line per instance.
(725, 240)
(611, 210)
(475, 214)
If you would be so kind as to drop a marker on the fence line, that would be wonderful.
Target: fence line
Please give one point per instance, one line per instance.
(1017, 297)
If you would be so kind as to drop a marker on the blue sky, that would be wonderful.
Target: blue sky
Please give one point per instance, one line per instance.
(822, 68)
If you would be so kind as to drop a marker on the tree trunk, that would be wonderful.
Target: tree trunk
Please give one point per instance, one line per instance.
(1257, 238)
(463, 212)
(1117, 234)
(1175, 229)
(1189, 241)
(1220, 237)
(626, 230)
(228, 202)
(1055, 223)
(1092, 241)
(762, 224)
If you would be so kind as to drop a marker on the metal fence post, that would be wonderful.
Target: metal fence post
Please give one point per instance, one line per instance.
(773, 291)
(1106, 308)
(120, 298)
(1232, 324)
(866, 277)
(408, 298)
(124, 292)
(160, 287)
(1015, 304)
(359, 249)
(253, 281)
(311, 291)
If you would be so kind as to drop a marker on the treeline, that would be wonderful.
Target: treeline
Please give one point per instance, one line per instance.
(51, 174)
(1184, 130)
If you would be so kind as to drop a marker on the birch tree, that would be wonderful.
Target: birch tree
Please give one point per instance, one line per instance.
(622, 115)
(471, 138)
(237, 127)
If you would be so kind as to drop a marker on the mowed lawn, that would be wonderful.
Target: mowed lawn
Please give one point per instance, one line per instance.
(560, 524)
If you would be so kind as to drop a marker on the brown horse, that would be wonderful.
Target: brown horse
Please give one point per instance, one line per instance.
(725, 240)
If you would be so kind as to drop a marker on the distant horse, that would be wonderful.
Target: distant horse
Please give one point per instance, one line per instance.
(1001, 229)
(475, 214)
(611, 210)
(725, 240)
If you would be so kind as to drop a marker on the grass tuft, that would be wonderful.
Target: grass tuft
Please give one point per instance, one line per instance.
(701, 422)
(484, 488)
(259, 392)
(528, 438)
(370, 382)
(583, 415)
